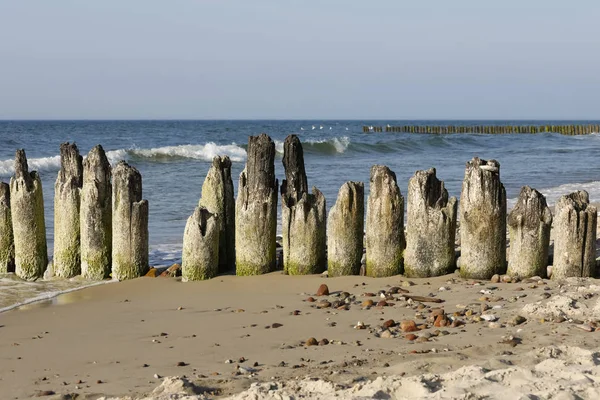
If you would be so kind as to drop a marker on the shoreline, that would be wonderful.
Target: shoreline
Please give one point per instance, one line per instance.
(102, 336)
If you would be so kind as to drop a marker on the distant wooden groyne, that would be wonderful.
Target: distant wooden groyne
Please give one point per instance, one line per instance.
(569, 130)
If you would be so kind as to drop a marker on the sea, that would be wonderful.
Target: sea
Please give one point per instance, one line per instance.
(174, 157)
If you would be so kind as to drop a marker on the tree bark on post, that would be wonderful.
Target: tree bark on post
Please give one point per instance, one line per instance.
(529, 224)
(7, 243)
(385, 241)
(217, 198)
(574, 236)
(256, 210)
(130, 224)
(29, 226)
(200, 255)
(482, 221)
(303, 216)
(67, 203)
(345, 227)
(431, 227)
(96, 216)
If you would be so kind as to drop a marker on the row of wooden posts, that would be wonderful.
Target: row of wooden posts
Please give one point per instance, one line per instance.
(101, 223)
(100, 219)
(570, 130)
(313, 242)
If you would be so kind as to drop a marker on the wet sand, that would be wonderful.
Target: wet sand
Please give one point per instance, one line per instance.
(113, 339)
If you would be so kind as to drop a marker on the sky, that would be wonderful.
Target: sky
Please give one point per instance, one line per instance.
(299, 59)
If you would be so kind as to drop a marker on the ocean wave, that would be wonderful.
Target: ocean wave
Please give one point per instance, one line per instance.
(15, 292)
(554, 193)
(336, 145)
(204, 152)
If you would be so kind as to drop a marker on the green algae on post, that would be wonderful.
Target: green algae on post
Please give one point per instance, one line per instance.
(7, 243)
(256, 210)
(96, 216)
(130, 224)
(385, 241)
(200, 255)
(217, 197)
(303, 216)
(67, 201)
(345, 227)
(430, 228)
(574, 236)
(482, 221)
(27, 214)
(529, 225)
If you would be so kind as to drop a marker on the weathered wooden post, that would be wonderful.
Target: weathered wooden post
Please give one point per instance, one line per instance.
(200, 255)
(574, 236)
(385, 224)
(7, 243)
(430, 228)
(256, 210)
(29, 226)
(67, 202)
(217, 198)
(482, 221)
(130, 224)
(303, 216)
(96, 216)
(529, 225)
(345, 228)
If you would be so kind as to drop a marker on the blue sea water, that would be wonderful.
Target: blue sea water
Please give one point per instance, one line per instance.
(174, 157)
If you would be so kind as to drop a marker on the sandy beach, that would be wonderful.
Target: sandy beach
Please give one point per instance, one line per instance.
(225, 334)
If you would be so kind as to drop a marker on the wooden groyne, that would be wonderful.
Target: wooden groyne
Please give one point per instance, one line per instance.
(569, 130)
(118, 244)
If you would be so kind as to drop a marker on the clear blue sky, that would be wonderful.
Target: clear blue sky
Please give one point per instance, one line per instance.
(299, 59)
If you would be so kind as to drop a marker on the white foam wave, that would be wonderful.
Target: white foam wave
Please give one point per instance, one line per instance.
(554, 193)
(340, 145)
(204, 152)
(20, 291)
(7, 167)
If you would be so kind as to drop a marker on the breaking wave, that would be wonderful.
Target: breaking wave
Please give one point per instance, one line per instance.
(320, 146)
(204, 152)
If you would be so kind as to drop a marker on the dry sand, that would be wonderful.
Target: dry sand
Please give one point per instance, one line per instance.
(121, 340)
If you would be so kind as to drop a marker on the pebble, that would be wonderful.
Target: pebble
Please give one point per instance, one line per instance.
(386, 334)
(311, 299)
(46, 393)
(389, 323)
(323, 342)
(276, 325)
(506, 279)
(368, 303)
(585, 327)
(360, 325)
(157, 376)
(441, 320)
(181, 364)
(323, 304)
(489, 317)
(495, 278)
(408, 326)
(323, 290)
(411, 336)
(517, 320)
(311, 342)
